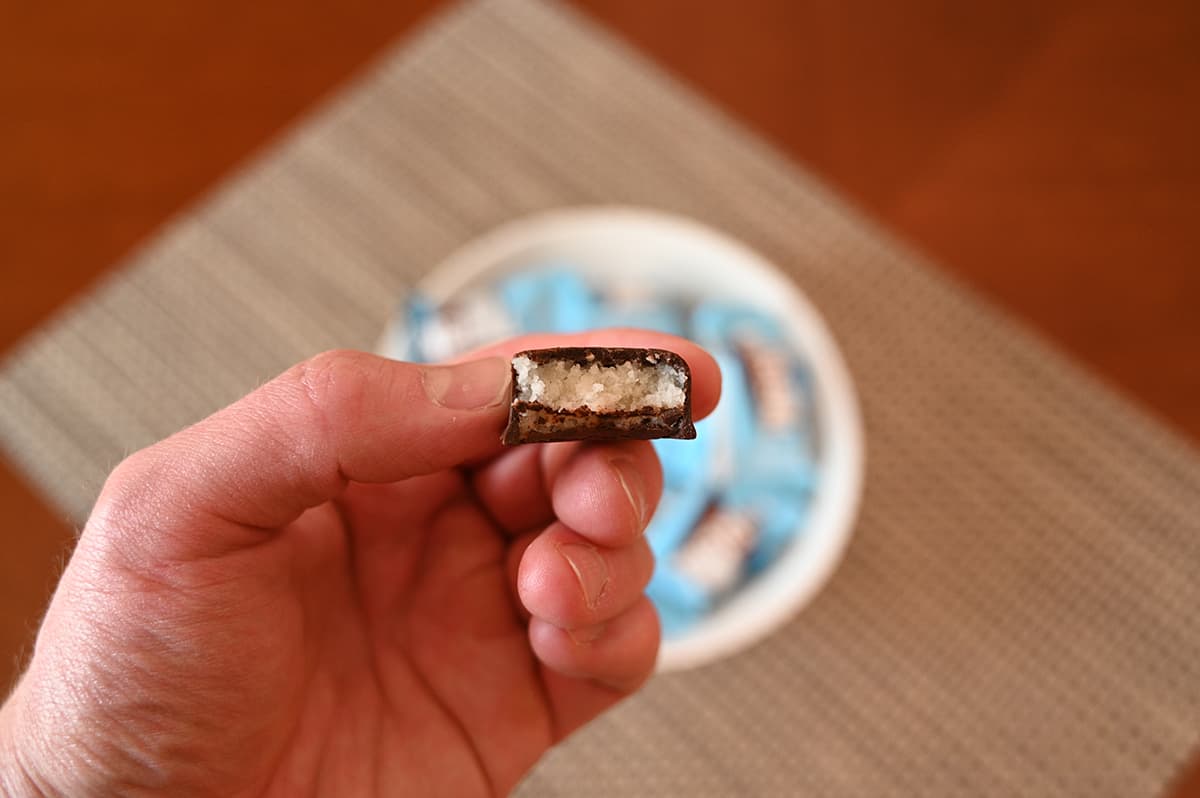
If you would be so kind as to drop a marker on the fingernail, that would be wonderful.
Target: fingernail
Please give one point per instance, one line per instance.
(586, 635)
(635, 490)
(590, 570)
(473, 385)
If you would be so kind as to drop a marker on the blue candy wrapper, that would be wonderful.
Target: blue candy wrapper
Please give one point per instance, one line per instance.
(640, 315)
(439, 333)
(687, 464)
(778, 512)
(552, 299)
(678, 511)
(685, 596)
(715, 324)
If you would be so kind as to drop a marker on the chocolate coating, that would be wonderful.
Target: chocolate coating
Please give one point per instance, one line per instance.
(534, 422)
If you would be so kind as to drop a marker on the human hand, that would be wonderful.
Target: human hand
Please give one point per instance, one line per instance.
(342, 585)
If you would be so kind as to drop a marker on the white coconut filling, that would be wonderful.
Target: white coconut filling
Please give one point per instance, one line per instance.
(601, 389)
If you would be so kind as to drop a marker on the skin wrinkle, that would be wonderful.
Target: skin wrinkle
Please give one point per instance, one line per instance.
(158, 739)
(306, 491)
(153, 643)
(350, 571)
(309, 679)
(162, 577)
(133, 493)
(296, 726)
(311, 644)
(592, 602)
(128, 527)
(298, 450)
(496, 561)
(415, 455)
(620, 465)
(491, 559)
(25, 774)
(537, 670)
(321, 757)
(309, 382)
(377, 753)
(586, 635)
(455, 722)
(85, 739)
(481, 480)
(318, 392)
(323, 377)
(414, 668)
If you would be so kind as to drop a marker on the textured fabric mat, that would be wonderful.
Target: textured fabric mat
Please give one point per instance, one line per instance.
(1019, 612)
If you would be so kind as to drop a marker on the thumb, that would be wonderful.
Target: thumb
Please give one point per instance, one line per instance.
(296, 441)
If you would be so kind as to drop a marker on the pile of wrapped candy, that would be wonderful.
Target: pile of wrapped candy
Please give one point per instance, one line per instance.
(735, 496)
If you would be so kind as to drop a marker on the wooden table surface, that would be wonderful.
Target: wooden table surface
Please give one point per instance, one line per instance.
(1045, 151)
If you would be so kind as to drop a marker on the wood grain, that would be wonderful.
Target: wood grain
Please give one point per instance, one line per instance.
(1045, 152)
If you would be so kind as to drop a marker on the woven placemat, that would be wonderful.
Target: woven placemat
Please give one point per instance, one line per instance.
(1019, 612)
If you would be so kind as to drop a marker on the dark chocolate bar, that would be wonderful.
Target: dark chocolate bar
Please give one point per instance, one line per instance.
(599, 393)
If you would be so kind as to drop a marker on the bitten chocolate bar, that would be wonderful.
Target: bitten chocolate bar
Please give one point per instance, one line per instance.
(599, 393)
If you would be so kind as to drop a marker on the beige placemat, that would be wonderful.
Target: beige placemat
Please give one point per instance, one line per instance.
(1019, 613)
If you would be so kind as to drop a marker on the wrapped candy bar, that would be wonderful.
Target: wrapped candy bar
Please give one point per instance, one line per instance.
(549, 300)
(440, 333)
(624, 305)
(678, 511)
(707, 565)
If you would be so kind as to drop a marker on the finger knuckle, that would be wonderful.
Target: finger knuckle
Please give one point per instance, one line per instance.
(130, 507)
(331, 381)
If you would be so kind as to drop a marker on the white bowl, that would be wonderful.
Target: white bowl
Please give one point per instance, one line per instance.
(682, 257)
